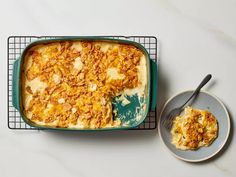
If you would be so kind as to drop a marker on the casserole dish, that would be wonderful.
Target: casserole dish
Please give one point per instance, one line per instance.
(130, 115)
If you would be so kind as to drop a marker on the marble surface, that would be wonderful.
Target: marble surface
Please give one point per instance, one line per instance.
(196, 37)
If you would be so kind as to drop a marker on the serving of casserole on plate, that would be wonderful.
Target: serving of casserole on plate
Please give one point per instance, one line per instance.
(200, 132)
(83, 84)
(193, 129)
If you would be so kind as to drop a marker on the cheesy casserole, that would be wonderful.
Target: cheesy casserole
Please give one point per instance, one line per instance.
(194, 129)
(70, 84)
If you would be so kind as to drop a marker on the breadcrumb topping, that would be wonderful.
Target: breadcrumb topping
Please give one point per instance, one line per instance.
(71, 84)
(194, 129)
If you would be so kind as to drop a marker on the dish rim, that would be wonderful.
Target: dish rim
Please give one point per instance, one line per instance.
(209, 156)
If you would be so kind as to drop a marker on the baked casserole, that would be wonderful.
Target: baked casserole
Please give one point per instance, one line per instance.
(194, 129)
(71, 84)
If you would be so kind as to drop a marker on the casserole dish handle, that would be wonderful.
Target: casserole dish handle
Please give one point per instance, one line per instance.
(15, 84)
(153, 85)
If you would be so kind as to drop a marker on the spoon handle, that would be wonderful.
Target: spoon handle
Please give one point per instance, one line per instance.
(204, 81)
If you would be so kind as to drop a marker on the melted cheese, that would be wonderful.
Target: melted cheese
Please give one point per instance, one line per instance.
(28, 64)
(78, 64)
(56, 78)
(123, 99)
(61, 100)
(36, 85)
(113, 74)
(77, 46)
(92, 87)
(105, 46)
(26, 100)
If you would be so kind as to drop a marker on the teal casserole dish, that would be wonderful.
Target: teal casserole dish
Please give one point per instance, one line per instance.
(130, 114)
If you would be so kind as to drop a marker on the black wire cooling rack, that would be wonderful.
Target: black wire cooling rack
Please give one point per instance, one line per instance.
(16, 44)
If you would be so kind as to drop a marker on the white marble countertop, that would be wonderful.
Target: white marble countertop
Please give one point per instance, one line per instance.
(196, 37)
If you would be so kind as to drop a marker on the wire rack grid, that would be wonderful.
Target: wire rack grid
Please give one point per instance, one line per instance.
(16, 44)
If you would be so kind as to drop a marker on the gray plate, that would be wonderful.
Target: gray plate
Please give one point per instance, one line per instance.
(203, 101)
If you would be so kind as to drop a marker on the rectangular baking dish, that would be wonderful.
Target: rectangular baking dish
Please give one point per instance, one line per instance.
(129, 119)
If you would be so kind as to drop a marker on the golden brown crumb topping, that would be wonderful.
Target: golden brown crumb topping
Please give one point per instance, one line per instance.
(67, 84)
(194, 129)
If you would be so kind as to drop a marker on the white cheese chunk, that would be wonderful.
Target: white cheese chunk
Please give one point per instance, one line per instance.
(78, 64)
(61, 100)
